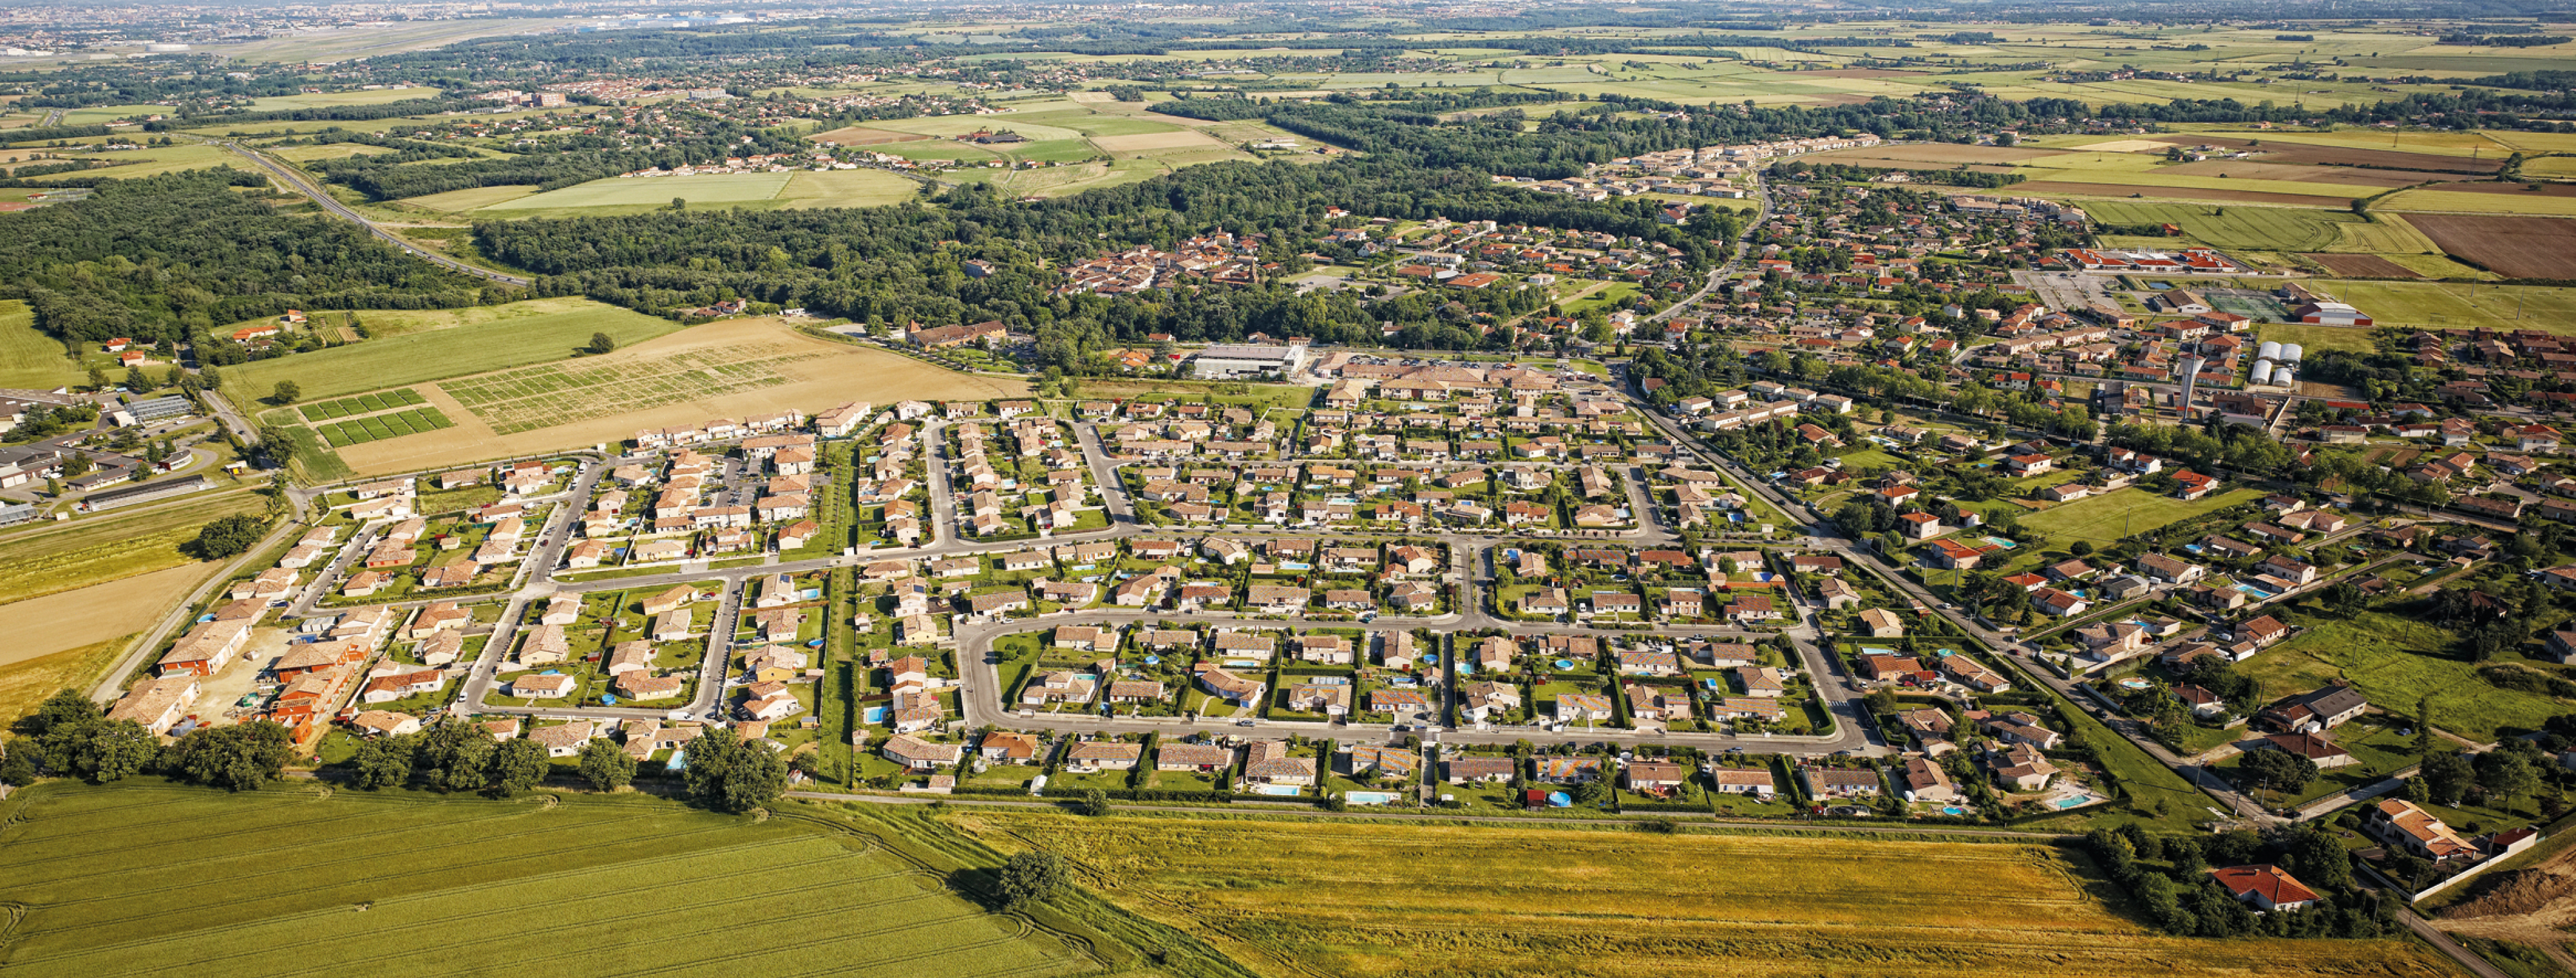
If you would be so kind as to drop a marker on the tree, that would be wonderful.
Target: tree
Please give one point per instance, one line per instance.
(97, 379)
(61, 709)
(137, 381)
(600, 343)
(18, 766)
(2322, 862)
(100, 749)
(679, 203)
(2080, 548)
(1029, 876)
(228, 536)
(606, 766)
(238, 758)
(1591, 793)
(2276, 771)
(287, 392)
(451, 757)
(517, 766)
(2505, 773)
(2444, 777)
(382, 762)
(728, 775)
(1094, 802)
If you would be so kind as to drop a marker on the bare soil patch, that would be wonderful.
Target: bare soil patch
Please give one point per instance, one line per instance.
(2279, 152)
(43, 626)
(864, 136)
(2530, 906)
(2173, 193)
(822, 374)
(2515, 246)
(1143, 141)
(2362, 266)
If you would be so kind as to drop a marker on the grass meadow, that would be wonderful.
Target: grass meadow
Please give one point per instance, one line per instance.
(2103, 520)
(2397, 661)
(29, 358)
(1366, 899)
(143, 879)
(50, 558)
(455, 342)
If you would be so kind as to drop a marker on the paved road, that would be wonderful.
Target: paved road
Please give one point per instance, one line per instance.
(296, 179)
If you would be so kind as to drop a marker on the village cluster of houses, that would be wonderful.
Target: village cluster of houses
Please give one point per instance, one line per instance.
(1220, 258)
(1705, 171)
(994, 495)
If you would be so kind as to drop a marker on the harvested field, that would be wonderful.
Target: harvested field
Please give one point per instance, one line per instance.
(25, 683)
(2353, 175)
(2126, 146)
(864, 136)
(1944, 153)
(1862, 73)
(2517, 247)
(1143, 142)
(2043, 188)
(722, 369)
(399, 883)
(50, 558)
(2276, 151)
(1365, 899)
(98, 613)
(2362, 266)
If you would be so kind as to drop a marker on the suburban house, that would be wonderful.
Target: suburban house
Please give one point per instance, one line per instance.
(2266, 887)
(2311, 712)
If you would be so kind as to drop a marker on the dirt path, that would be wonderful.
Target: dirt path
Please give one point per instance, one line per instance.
(2531, 906)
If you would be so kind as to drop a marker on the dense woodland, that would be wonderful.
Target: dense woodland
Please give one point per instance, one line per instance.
(161, 257)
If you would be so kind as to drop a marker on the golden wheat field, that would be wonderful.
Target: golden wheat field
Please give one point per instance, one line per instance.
(1340, 898)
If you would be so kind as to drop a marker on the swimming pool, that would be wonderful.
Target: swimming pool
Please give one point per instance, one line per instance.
(1291, 565)
(1875, 650)
(2134, 682)
(1371, 797)
(1276, 790)
(1953, 810)
(2255, 591)
(2078, 800)
(2001, 542)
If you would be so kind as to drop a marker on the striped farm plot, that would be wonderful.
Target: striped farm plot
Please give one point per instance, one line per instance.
(146, 880)
(378, 427)
(365, 404)
(538, 397)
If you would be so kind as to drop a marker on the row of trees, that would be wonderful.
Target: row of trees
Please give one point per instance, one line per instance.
(67, 736)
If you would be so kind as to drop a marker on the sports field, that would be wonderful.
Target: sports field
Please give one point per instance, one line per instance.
(143, 879)
(2104, 520)
(29, 358)
(1366, 899)
(470, 341)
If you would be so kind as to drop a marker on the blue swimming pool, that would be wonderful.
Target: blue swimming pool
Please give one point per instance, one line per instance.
(2255, 591)
(1276, 790)
(1953, 810)
(2001, 542)
(1371, 797)
(2076, 801)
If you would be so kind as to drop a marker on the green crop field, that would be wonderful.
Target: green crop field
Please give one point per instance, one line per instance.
(1368, 899)
(29, 358)
(2103, 520)
(2315, 338)
(2519, 202)
(348, 406)
(2241, 226)
(704, 188)
(2397, 660)
(342, 434)
(470, 198)
(847, 188)
(155, 160)
(2450, 305)
(145, 879)
(492, 338)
